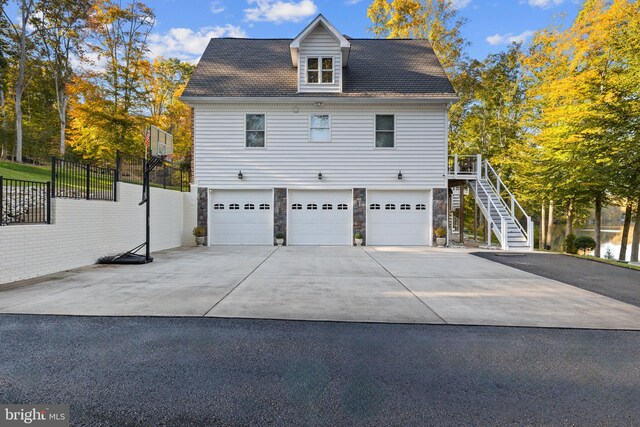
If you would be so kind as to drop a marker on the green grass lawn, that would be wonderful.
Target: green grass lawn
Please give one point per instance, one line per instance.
(25, 172)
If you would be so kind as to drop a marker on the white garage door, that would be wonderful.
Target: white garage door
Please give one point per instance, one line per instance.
(241, 217)
(398, 218)
(320, 217)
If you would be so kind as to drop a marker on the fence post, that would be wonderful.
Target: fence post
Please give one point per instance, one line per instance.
(116, 177)
(88, 172)
(1, 199)
(53, 176)
(48, 202)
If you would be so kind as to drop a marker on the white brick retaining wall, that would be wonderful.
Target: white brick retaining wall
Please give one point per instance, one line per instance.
(82, 231)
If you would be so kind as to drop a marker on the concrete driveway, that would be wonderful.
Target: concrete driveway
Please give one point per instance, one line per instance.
(372, 284)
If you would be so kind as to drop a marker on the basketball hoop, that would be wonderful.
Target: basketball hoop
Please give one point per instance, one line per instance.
(160, 144)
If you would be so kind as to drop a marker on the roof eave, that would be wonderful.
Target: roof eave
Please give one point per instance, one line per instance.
(199, 100)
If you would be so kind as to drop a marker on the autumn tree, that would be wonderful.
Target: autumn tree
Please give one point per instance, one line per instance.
(60, 26)
(111, 98)
(22, 39)
(165, 80)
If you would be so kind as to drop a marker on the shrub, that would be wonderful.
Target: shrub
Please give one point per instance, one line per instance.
(279, 235)
(440, 232)
(585, 243)
(569, 245)
(609, 254)
(357, 236)
(199, 231)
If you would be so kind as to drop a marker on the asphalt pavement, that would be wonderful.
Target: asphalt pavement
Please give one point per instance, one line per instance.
(620, 283)
(143, 371)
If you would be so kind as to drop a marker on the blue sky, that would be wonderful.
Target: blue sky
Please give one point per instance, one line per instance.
(184, 27)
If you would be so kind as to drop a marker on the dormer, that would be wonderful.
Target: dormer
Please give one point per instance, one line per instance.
(320, 53)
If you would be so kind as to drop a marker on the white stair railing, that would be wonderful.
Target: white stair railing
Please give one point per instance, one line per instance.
(514, 208)
(488, 207)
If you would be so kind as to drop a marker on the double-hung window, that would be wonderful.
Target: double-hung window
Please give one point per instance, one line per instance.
(320, 69)
(385, 131)
(319, 128)
(254, 131)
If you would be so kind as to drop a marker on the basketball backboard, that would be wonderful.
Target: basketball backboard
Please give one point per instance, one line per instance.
(160, 142)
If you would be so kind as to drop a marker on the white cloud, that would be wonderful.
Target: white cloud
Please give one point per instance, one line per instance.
(187, 44)
(544, 3)
(216, 7)
(508, 38)
(278, 11)
(352, 2)
(460, 4)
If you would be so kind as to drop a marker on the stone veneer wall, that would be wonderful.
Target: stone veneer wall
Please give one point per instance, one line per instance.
(203, 206)
(360, 213)
(440, 208)
(280, 212)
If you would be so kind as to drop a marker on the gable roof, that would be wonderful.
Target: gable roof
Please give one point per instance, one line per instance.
(378, 68)
(320, 21)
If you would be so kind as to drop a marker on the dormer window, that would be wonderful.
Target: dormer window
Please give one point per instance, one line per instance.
(320, 69)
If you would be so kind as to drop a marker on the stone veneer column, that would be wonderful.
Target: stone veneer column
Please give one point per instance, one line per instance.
(203, 207)
(280, 212)
(440, 209)
(360, 213)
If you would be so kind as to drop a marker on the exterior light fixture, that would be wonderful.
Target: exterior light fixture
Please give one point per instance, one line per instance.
(399, 174)
(319, 104)
(240, 176)
(296, 109)
(319, 175)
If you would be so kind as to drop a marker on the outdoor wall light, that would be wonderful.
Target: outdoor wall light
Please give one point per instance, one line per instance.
(319, 104)
(399, 174)
(319, 175)
(240, 176)
(296, 109)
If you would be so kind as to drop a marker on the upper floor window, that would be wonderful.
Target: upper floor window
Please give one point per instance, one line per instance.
(319, 128)
(385, 131)
(255, 131)
(320, 69)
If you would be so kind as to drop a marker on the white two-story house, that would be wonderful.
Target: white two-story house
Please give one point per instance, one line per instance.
(319, 138)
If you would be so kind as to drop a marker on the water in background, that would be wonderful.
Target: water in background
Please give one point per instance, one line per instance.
(611, 238)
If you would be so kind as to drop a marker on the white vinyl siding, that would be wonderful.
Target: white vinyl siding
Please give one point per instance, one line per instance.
(320, 44)
(350, 160)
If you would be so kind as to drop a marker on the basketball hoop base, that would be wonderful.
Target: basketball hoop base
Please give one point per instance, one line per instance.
(128, 258)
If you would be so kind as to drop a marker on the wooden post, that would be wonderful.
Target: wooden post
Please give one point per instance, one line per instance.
(543, 227)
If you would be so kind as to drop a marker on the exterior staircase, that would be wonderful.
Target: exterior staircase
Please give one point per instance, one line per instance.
(506, 218)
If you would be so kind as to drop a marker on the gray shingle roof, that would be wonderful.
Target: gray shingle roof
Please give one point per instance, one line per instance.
(378, 68)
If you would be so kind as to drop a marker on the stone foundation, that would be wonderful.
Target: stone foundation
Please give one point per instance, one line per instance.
(203, 207)
(440, 208)
(280, 212)
(360, 213)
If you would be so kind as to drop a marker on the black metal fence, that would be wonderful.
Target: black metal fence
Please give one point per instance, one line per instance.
(131, 169)
(82, 181)
(24, 202)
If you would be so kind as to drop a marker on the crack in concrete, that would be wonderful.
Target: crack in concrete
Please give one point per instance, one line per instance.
(404, 286)
(241, 282)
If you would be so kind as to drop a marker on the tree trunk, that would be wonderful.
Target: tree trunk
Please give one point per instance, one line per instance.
(20, 82)
(543, 227)
(598, 225)
(569, 227)
(550, 226)
(635, 244)
(3, 148)
(625, 231)
(63, 130)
